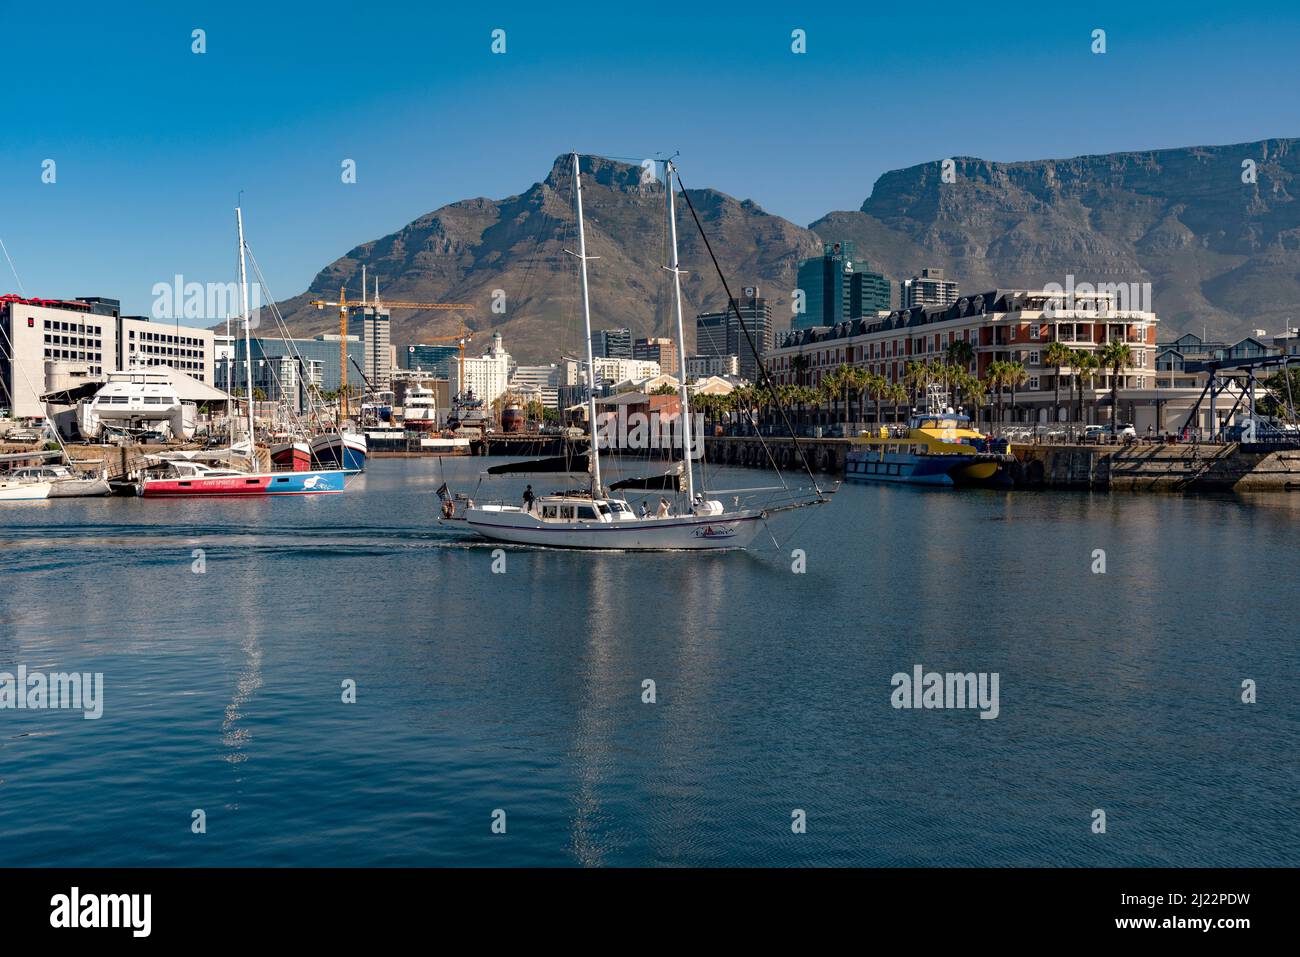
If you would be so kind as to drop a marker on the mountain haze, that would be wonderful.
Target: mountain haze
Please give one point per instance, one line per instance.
(1220, 253)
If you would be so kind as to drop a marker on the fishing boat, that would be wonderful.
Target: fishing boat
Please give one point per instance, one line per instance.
(595, 518)
(293, 455)
(938, 447)
(176, 474)
(467, 412)
(339, 450)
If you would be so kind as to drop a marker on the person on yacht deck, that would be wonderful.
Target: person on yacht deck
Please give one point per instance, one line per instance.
(663, 508)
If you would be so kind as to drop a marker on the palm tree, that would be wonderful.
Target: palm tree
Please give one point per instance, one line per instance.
(1116, 355)
(898, 395)
(917, 375)
(799, 365)
(831, 384)
(844, 378)
(857, 383)
(960, 353)
(876, 386)
(1016, 376)
(1058, 355)
(995, 377)
(1085, 366)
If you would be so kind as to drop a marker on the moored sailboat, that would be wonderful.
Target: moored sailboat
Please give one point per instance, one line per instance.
(180, 474)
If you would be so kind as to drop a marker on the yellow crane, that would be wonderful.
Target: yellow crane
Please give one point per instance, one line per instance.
(345, 304)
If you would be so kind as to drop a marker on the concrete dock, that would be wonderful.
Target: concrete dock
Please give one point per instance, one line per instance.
(1138, 466)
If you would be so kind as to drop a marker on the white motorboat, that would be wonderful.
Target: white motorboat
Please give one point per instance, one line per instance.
(420, 408)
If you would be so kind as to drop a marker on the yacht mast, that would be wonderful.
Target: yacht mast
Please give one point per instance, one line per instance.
(248, 344)
(687, 432)
(596, 489)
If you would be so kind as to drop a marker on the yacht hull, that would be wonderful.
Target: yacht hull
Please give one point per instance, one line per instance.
(682, 532)
(80, 488)
(24, 491)
(331, 451)
(253, 483)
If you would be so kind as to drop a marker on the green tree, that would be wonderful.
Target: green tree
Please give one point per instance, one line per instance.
(1085, 369)
(1116, 355)
(1058, 356)
(799, 366)
(1016, 375)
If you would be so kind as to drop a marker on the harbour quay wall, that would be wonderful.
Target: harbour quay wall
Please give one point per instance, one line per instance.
(1149, 467)
(823, 455)
(1135, 467)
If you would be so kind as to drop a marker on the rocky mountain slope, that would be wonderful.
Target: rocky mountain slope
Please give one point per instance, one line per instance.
(1219, 253)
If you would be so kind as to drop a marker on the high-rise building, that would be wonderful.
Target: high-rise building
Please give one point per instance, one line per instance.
(657, 349)
(837, 287)
(723, 334)
(375, 334)
(488, 375)
(927, 289)
(611, 344)
(437, 359)
(288, 369)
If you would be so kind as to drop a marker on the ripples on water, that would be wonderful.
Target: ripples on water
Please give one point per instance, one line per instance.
(522, 691)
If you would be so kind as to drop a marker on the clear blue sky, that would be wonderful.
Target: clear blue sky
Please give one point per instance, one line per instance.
(153, 143)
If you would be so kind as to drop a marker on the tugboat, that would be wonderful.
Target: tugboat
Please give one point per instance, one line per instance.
(938, 448)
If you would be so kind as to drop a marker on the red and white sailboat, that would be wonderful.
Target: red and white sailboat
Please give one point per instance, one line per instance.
(182, 474)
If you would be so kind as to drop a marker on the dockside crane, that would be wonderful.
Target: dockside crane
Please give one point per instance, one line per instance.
(344, 304)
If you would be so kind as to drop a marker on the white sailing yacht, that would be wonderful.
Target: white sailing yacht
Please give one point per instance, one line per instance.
(595, 519)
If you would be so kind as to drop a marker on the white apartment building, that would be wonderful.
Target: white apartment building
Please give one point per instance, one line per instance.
(91, 333)
(542, 380)
(143, 342)
(609, 371)
(488, 376)
(375, 333)
(702, 367)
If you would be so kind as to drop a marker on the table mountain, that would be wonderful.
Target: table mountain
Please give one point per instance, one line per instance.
(1219, 252)
(512, 252)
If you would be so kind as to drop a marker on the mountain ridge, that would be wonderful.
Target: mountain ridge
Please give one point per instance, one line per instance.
(1220, 252)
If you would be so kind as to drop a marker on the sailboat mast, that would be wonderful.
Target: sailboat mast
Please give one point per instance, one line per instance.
(687, 432)
(596, 489)
(248, 339)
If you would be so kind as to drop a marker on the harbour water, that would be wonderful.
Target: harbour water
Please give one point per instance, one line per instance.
(522, 691)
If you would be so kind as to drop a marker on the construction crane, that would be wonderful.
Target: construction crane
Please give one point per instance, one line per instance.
(344, 304)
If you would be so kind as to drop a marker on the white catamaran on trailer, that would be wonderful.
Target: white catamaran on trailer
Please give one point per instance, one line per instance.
(593, 517)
